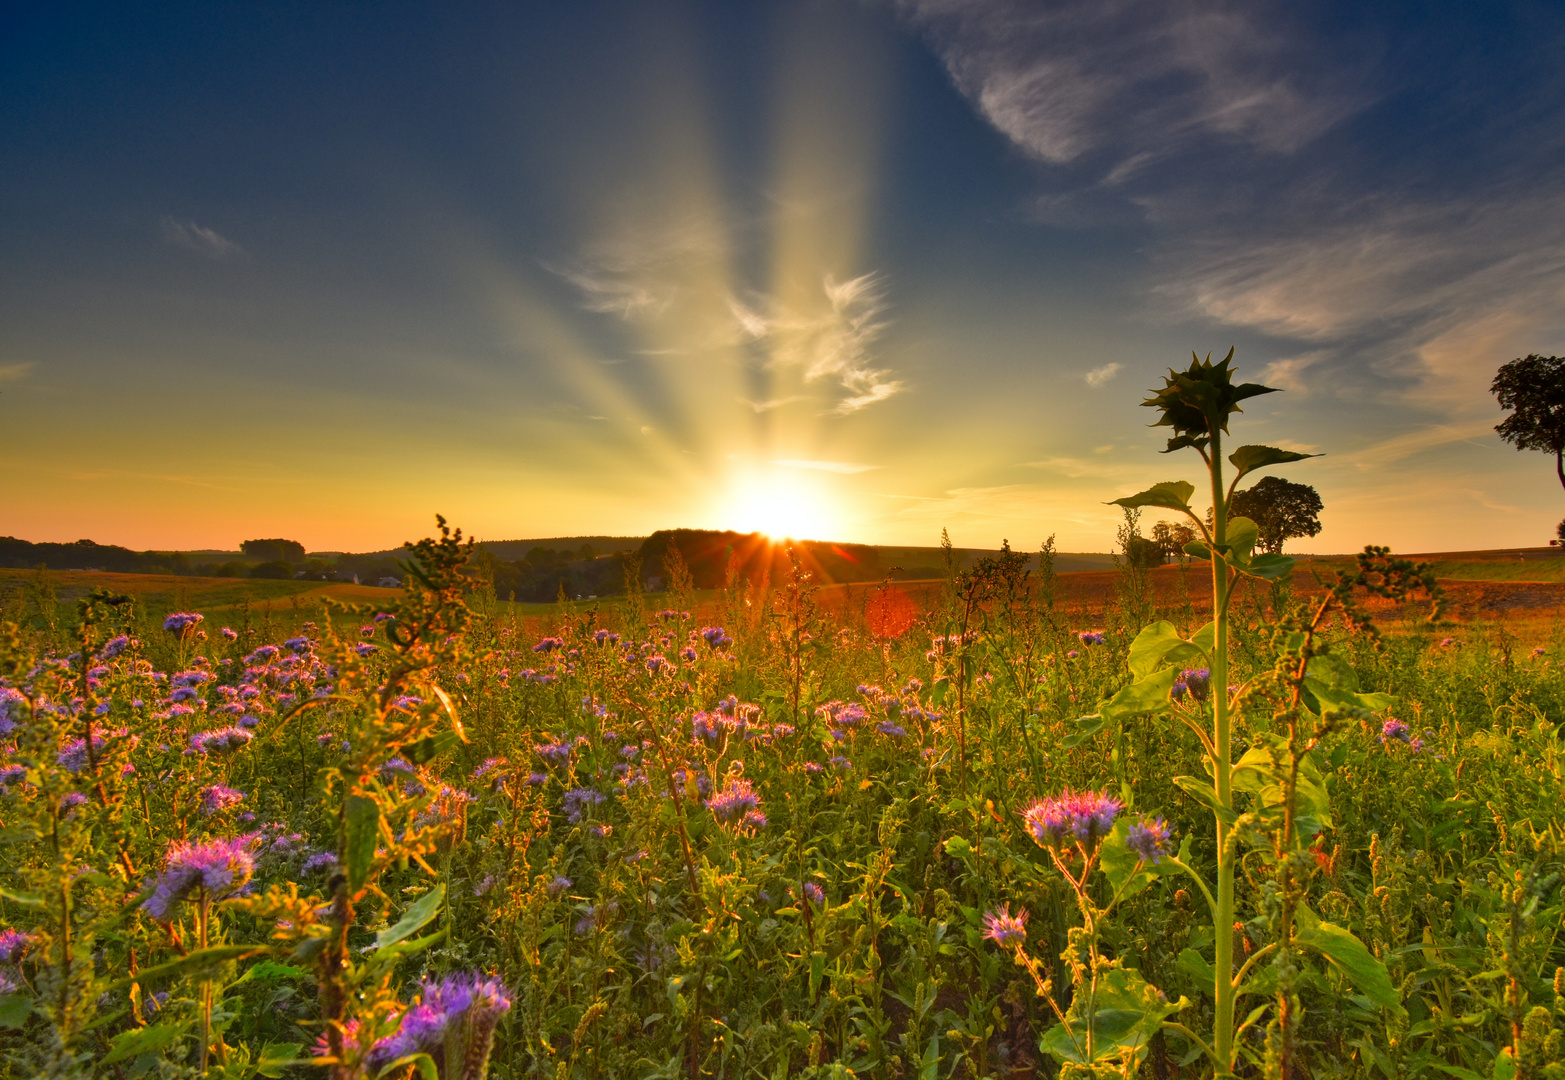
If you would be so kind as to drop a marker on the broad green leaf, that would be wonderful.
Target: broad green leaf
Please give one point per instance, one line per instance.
(147, 1040)
(1086, 728)
(1170, 495)
(1157, 644)
(1120, 863)
(1241, 539)
(275, 1057)
(1269, 567)
(1197, 549)
(1326, 699)
(1144, 696)
(1204, 792)
(958, 848)
(1197, 967)
(392, 953)
(1249, 458)
(1504, 1065)
(423, 910)
(1334, 671)
(1263, 772)
(937, 693)
(1348, 954)
(14, 1010)
(1205, 639)
(363, 830)
(1129, 1012)
(432, 747)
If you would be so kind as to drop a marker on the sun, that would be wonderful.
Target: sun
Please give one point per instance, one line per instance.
(781, 507)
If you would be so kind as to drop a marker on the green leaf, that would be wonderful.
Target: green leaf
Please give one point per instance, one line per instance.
(1170, 495)
(1129, 1012)
(428, 749)
(195, 964)
(1197, 967)
(21, 898)
(1144, 696)
(14, 1010)
(392, 953)
(1197, 549)
(1204, 792)
(817, 971)
(937, 693)
(1348, 954)
(137, 1041)
(958, 848)
(1151, 646)
(1249, 458)
(1205, 639)
(1504, 1065)
(424, 1063)
(1269, 567)
(275, 1057)
(1086, 728)
(414, 919)
(268, 970)
(1241, 538)
(363, 830)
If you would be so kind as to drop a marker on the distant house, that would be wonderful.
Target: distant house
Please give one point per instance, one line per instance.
(389, 583)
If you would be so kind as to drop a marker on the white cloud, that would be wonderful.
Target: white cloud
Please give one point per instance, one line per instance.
(824, 466)
(771, 403)
(1062, 80)
(198, 238)
(1100, 375)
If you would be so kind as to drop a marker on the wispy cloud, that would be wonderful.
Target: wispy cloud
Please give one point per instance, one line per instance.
(1416, 442)
(200, 239)
(1064, 80)
(771, 403)
(15, 372)
(1100, 375)
(824, 466)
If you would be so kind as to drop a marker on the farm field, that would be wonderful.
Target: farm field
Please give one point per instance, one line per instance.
(799, 830)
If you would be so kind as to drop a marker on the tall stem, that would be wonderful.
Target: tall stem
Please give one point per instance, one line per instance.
(1223, 1004)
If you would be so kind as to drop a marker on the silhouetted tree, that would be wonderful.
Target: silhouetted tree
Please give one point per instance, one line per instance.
(1281, 510)
(1171, 538)
(289, 551)
(1533, 389)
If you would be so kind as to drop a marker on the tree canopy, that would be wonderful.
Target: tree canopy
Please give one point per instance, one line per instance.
(1533, 389)
(1281, 510)
(288, 551)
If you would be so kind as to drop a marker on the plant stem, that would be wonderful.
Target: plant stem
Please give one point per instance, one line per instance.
(1223, 990)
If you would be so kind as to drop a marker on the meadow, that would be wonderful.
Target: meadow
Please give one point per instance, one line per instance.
(1232, 817)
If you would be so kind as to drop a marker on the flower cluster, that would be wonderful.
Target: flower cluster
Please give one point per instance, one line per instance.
(1083, 818)
(219, 867)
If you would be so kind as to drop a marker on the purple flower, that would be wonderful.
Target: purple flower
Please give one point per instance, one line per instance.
(1198, 681)
(814, 895)
(1149, 838)
(557, 887)
(13, 943)
(734, 802)
(548, 644)
(364, 648)
(229, 633)
(1092, 637)
(453, 1022)
(218, 866)
(181, 622)
(220, 741)
(1003, 928)
(1083, 817)
(887, 727)
(554, 753)
(299, 645)
(1394, 729)
(754, 821)
(114, 646)
(217, 797)
(321, 860)
(12, 774)
(73, 800)
(577, 800)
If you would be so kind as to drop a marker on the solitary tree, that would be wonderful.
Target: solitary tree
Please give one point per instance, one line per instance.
(1171, 538)
(1281, 510)
(1533, 389)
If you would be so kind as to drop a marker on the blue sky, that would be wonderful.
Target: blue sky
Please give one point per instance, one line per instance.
(851, 270)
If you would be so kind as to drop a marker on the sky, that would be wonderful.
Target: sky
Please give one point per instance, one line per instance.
(844, 270)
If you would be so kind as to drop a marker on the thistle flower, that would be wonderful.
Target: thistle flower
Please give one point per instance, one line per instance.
(218, 866)
(181, 622)
(1149, 838)
(1005, 929)
(217, 797)
(1082, 817)
(734, 802)
(454, 1023)
(220, 741)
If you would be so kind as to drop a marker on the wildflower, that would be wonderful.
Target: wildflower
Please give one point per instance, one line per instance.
(716, 637)
(12, 774)
(1198, 681)
(453, 1022)
(13, 943)
(1178, 691)
(299, 645)
(1149, 838)
(229, 633)
(1072, 654)
(557, 886)
(657, 664)
(537, 779)
(577, 800)
(1003, 928)
(1084, 817)
(114, 646)
(754, 821)
(364, 648)
(321, 860)
(548, 644)
(837, 761)
(687, 654)
(217, 866)
(896, 731)
(1394, 729)
(217, 797)
(489, 765)
(73, 800)
(597, 917)
(814, 895)
(734, 801)
(554, 753)
(1092, 637)
(220, 741)
(181, 622)
(74, 757)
